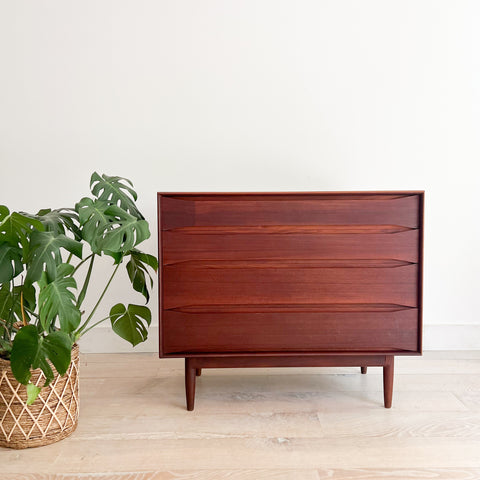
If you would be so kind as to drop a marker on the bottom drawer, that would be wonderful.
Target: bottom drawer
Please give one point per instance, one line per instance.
(223, 332)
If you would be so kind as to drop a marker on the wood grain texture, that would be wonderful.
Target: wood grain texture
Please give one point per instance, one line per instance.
(184, 285)
(259, 452)
(254, 474)
(291, 229)
(282, 360)
(299, 423)
(290, 331)
(179, 246)
(264, 474)
(293, 210)
(384, 308)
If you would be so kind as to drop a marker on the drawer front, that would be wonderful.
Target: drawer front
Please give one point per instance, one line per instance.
(180, 247)
(293, 210)
(290, 272)
(185, 284)
(280, 331)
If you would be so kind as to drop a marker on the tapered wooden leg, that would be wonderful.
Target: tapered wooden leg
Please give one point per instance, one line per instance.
(189, 384)
(364, 370)
(198, 371)
(388, 381)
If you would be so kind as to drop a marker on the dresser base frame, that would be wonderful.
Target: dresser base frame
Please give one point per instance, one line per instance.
(194, 365)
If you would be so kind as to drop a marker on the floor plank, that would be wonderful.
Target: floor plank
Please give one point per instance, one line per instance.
(271, 474)
(279, 424)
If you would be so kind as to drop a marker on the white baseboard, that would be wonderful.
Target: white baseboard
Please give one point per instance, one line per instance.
(435, 337)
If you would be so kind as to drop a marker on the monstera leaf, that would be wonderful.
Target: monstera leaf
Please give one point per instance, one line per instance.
(109, 228)
(57, 299)
(45, 253)
(59, 221)
(138, 272)
(15, 228)
(10, 302)
(113, 191)
(93, 220)
(31, 350)
(4, 212)
(131, 323)
(11, 263)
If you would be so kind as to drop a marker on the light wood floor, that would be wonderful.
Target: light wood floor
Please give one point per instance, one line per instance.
(279, 424)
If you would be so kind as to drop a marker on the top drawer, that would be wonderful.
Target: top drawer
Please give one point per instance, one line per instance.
(179, 211)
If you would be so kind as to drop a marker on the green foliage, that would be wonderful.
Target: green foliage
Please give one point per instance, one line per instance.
(4, 212)
(32, 393)
(137, 269)
(10, 304)
(62, 220)
(10, 262)
(15, 230)
(108, 228)
(56, 299)
(115, 191)
(45, 254)
(31, 350)
(40, 255)
(131, 323)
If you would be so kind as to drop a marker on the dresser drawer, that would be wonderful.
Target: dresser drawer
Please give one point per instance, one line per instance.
(283, 330)
(180, 211)
(304, 282)
(289, 243)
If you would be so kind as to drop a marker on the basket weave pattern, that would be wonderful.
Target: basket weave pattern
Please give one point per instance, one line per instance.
(52, 417)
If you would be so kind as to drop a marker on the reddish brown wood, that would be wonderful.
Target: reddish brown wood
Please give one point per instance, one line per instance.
(363, 370)
(267, 361)
(294, 308)
(179, 247)
(388, 381)
(198, 371)
(201, 211)
(289, 331)
(291, 229)
(421, 198)
(221, 196)
(190, 383)
(186, 285)
(160, 270)
(287, 279)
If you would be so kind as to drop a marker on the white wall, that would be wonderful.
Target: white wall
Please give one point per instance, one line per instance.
(254, 95)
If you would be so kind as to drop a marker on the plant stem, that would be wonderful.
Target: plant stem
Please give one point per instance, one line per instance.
(32, 313)
(87, 321)
(83, 292)
(81, 333)
(82, 262)
(22, 309)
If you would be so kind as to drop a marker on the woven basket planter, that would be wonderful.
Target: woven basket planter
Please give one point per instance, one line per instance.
(52, 417)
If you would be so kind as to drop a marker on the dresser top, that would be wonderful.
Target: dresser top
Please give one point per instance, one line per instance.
(365, 192)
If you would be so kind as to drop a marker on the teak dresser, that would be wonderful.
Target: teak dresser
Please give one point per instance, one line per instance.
(290, 279)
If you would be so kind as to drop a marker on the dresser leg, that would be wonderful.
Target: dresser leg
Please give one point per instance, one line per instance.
(198, 371)
(364, 370)
(388, 381)
(190, 384)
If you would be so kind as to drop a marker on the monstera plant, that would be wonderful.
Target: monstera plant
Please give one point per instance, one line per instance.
(47, 261)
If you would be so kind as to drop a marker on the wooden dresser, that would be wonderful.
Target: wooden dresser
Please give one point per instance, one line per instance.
(290, 279)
